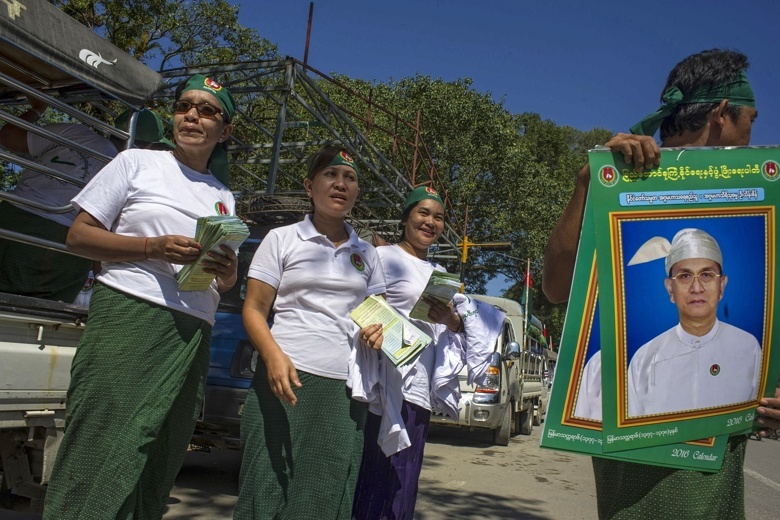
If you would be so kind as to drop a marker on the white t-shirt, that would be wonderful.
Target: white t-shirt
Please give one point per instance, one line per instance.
(406, 278)
(677, 371)
(146, 193)
(43, 189)
(317, 286)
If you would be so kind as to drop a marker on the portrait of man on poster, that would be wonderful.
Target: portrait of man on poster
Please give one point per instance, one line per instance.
(588, 404)
(701, 362)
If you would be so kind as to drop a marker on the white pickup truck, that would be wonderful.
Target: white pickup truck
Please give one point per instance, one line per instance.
(86, 80)
(514, 396)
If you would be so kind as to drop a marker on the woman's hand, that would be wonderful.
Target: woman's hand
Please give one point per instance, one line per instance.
(371, 336)
(443, 314)
(176, 249)
(281, 373)
(282, 376)
(224, 266)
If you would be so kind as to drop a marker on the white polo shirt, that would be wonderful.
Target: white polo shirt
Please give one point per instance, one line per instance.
(317, 286)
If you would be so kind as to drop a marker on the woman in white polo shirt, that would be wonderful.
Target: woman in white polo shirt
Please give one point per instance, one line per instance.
(302, 434)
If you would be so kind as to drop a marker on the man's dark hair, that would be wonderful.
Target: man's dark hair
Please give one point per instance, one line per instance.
(711, 67)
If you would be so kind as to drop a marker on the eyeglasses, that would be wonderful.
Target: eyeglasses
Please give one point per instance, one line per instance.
(204, 109)
(704, 277)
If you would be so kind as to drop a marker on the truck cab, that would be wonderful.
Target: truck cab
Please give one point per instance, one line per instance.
(514, 396)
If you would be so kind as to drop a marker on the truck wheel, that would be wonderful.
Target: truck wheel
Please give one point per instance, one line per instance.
(526, 419)
(502, 433)
(537, 414)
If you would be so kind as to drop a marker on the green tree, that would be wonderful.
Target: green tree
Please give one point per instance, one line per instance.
(166, 33)
(515, 173)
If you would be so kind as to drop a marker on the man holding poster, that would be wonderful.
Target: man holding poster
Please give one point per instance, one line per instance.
(707, 101)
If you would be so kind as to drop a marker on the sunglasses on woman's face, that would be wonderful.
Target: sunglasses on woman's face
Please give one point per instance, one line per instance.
(204, 109)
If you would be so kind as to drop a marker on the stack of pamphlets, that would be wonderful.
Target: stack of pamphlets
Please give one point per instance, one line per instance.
(211, 233)
(402, 340)
(441, 286)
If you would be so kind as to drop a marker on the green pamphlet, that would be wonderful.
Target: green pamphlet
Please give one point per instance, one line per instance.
(211, 232)
(442, 287)
(402, 340)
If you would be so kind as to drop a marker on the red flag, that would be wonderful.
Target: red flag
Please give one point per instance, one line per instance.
(544, 330)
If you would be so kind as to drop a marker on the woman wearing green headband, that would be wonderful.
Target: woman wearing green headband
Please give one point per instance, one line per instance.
(387, 485)
(301, 433)
(138, 373)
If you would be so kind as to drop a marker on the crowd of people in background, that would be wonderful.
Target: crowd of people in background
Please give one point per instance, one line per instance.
(315, 444)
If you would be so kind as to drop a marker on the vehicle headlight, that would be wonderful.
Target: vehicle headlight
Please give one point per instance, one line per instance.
(481, 415)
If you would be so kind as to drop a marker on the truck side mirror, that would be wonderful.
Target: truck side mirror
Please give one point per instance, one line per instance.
(512, 350)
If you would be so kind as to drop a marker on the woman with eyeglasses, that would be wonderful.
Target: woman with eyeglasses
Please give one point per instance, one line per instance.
(139, 369)
(301, 432)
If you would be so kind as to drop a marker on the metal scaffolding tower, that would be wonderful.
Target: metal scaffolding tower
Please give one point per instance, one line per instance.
(285, 112)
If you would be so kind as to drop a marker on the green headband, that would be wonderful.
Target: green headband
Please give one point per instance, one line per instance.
(422, 193)
(738, 92)
(223, 95)
(343, 158)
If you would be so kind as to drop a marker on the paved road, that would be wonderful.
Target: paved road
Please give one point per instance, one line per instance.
(466, 477)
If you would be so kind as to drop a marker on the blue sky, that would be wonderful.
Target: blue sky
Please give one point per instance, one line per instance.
(579, 63)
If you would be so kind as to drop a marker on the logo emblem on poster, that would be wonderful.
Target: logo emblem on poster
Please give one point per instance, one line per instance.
(715, 369)
(770, 170)
(608, 176)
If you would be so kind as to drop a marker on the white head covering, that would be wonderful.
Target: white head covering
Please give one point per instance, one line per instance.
(687, 243)
(693, 243)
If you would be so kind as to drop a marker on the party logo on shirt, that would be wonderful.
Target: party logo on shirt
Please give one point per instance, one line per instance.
(608, 176)
(357, 262)
(221, 208)
(715, 370)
